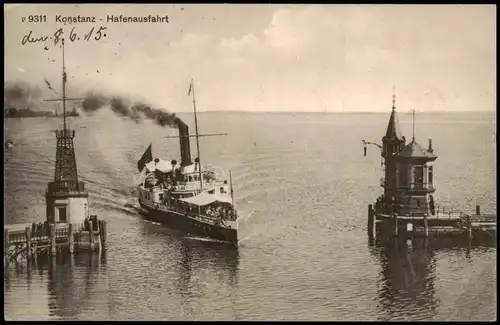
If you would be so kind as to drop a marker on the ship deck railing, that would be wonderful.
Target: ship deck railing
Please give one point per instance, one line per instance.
(201, 216)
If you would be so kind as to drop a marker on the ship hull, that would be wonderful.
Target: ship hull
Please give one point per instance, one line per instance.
(190, 225)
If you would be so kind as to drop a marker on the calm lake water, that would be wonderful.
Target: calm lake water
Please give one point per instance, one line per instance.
(302, 187)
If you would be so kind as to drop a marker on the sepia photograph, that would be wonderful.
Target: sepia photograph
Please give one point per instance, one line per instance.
(250, 162)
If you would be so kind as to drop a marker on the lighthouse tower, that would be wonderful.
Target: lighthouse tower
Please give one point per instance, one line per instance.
(409, 173)
(66, 198)
(392, 143)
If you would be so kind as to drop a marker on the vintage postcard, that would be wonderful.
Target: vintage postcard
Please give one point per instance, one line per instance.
(250, 162)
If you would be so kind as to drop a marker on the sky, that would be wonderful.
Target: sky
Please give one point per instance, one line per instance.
(261, 57)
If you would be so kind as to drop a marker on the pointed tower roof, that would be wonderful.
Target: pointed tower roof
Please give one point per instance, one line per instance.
(415, 150)
(393, 129)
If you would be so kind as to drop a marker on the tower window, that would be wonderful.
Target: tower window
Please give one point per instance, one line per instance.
(403, 175)
(62, 214)
(431, 174)
(418, 175)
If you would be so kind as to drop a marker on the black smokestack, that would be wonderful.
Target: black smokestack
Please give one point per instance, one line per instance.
(184, 142)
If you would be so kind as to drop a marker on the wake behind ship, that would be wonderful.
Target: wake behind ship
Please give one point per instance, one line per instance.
(187, 195)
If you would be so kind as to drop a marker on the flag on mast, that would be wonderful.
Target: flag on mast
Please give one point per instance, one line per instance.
(147, 156)
(190, 87)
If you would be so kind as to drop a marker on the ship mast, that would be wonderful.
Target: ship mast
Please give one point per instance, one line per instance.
(63, 87)
(66, 170)
(231, 185)
(197, 136)
(64, 99)
(413, 125)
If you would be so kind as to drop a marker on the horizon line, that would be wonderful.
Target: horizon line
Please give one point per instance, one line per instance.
(331, 112)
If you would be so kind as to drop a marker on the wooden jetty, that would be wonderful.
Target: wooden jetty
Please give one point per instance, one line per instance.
(407, 208)
(32, 240)
(68, 222)
(414, 226)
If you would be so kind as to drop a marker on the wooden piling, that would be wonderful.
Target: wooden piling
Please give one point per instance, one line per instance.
(27, 233)
(396, 226)
(469, 227)
(103, 234)
(71, 238)
(91, 238)
(370, 221)
(53, 239)
(478, 210)
(6, 246)
(426, 226)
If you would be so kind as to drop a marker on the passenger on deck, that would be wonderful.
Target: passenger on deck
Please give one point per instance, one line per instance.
(86, 224)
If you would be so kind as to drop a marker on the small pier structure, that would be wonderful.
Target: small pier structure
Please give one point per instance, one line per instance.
(68, 227)
(406, 209)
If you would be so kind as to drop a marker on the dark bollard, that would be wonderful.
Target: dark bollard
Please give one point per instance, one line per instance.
(6, 246)
(71, 238)
(103, 234)
(426, 226)
(53, 239)
(371, 222)
(469, 227)
(28, 243)
(396, 226)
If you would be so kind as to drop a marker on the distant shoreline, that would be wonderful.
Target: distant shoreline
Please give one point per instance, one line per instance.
(27, 113)
(32, 116)
(35, 114)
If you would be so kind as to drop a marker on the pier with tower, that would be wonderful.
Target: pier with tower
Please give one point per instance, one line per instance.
(68, 227)
(406, 209)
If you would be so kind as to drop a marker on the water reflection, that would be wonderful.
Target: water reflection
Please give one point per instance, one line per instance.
(205, 272)
(70, 285)
(196, 255)
(219, 259)
(408, 270)
(73, 282)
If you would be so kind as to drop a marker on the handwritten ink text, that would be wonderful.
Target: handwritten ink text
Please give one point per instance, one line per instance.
(89, 34)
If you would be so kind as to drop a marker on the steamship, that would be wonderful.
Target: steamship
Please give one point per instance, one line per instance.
(186, 195)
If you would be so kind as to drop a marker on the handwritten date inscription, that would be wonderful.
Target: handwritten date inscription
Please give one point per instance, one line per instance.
(90, 34)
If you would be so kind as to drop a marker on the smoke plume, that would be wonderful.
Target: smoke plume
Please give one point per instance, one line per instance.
(21, 95)
(125, 108)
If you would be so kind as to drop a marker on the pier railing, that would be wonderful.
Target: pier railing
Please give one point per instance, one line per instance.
(413, 186)
(56, 187)
(31, 239)
(41, 232)
(444, 212)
